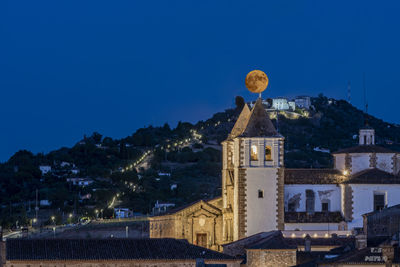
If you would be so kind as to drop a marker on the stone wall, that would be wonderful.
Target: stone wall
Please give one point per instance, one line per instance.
(271, 258)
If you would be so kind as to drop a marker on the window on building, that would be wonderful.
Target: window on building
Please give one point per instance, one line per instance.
(260, 194)
(310, 201)
(379, 201)
(254, 153)
(292, 206)
(365, 139)
(268, 153)
(325, 206)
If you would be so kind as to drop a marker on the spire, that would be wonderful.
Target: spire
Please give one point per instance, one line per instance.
(258, 123)
(241, 122)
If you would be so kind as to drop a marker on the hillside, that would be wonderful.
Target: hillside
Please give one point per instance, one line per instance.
(172, 165)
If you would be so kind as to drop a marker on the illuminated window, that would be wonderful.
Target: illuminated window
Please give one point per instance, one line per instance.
(254, 155)
(260, 194)
(268, 153)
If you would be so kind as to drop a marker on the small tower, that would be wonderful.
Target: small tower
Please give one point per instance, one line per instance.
(366, 136)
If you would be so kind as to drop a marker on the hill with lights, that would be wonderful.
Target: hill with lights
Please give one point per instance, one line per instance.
(177, 165)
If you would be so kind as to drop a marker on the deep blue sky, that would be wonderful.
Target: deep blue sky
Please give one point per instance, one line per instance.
(73, 67)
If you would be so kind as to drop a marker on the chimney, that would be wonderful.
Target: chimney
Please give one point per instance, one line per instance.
(361, 241)
(307, 243)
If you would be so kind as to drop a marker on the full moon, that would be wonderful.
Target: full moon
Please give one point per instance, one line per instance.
(256, 81)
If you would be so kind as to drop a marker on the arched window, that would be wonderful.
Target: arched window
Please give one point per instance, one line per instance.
(268, 153)
(254, 153)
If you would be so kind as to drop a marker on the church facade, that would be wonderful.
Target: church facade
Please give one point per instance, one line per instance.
(259, 194)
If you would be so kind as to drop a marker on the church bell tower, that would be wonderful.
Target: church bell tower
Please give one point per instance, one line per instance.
(252, 176)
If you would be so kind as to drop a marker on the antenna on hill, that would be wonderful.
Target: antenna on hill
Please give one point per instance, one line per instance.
(365, 95)
(348, 92)
(365, 101)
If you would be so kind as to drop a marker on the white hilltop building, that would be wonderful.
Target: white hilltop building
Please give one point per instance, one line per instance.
(259, 194)
(283, 103)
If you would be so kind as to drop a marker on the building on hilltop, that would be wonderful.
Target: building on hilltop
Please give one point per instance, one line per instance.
(303, 102)
(259, 194)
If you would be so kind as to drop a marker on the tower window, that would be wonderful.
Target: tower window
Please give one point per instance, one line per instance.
(254, 154)
(379, 201)
(260, 194)
(268, 153)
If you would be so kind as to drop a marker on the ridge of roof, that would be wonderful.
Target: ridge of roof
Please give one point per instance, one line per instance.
(177, 209)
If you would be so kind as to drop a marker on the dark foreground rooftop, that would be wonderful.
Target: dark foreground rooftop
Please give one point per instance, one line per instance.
(107, 249)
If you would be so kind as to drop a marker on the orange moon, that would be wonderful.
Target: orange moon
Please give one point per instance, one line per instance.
(256, 81)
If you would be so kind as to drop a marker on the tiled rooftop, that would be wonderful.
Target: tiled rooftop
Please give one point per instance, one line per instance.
(365, 149)
(107, 249)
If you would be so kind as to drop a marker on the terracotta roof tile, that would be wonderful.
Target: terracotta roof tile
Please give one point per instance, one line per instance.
(313, 176)
(276, 241)
(107, 249)
(373, 176)
(365, 149)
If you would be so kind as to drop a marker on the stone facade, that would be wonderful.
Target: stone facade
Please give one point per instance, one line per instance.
(271, 258)
(200, 224)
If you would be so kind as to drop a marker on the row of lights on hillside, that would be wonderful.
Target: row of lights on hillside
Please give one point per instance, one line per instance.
(113, 201)
(137, 162)
(196, 136)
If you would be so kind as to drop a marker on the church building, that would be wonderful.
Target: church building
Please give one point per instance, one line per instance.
(259, 194)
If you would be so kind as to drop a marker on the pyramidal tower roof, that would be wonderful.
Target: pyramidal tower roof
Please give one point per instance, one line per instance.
(258, 123)
(241, 123)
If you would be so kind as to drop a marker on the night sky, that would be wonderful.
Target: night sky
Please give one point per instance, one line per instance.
(69, 68)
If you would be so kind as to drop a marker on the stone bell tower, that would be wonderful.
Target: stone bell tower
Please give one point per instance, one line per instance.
(366, 136)
(252, 176)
